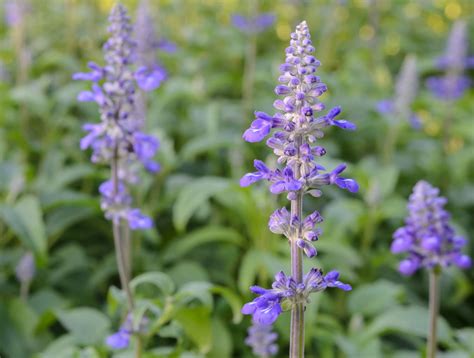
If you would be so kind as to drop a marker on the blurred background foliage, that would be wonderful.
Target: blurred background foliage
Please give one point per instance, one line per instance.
(211, 237)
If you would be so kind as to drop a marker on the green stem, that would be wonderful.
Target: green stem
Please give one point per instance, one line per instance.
(434, 309)
(118, 239)
(24, 290)
(297, 312)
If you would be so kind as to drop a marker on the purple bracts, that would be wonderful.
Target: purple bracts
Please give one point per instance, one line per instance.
(118, 137)
(427, 236)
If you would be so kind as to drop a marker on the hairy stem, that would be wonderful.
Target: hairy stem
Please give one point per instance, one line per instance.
(434, 309)
(118, 239)
(127, 251)
(297, 313)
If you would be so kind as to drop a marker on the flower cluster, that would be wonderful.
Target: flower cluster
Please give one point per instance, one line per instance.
(118, 139)
(262, 340)
(297, 126)
(253, 24)
(285, 293)
(427, 236)
(150, 72)
(406, 88)
(304, 232)
(454, 62)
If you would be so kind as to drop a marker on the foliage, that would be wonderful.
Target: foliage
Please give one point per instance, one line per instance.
(192, 271)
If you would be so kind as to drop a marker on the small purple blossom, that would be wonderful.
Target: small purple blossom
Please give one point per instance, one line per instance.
(121, 338)
(118, 138)
(262, 339)
(254, 24)
(427, 237)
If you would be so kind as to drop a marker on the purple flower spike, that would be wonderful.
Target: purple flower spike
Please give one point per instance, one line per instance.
(427, 237)
(294, 131)
(118, 140)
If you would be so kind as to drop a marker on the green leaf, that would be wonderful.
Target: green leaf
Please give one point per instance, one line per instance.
(232, 299)
(25, 219)
(158, 279)
(221, 340)
(411, 320)
(193, 196)
(86, 325)
(65, 216)
(200, 291)
(249, 267)
(64, 346)
(362, 299)
(205, 144)
(196, 323)
(209, 234)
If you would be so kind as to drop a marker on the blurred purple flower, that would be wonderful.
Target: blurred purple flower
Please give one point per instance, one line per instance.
(151, 73)
(262, 339)
(118, 139)
(454, 62)
(26, 268)
(427, 236)
(254, 24)
(406, 88)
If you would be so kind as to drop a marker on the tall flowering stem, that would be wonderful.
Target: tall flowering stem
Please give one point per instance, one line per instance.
(298, 127)
(118, 140)
(431, 243)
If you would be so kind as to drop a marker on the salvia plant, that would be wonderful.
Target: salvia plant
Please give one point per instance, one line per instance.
(118, 141)
(430, 243)
(297, 127)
